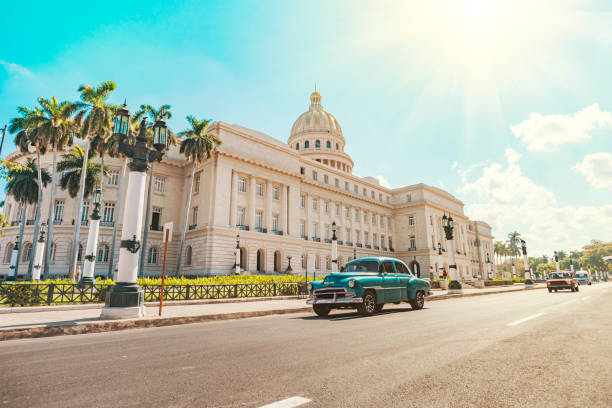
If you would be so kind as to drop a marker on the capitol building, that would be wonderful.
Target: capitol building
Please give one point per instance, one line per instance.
(280, 198)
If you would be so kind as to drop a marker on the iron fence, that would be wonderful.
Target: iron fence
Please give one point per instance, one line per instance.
(36, 294)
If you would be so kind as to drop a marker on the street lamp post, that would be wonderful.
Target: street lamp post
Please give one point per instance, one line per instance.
(87, 278)
(289, 268)
(12, 276)
(556, 258)
(237, 253)
(438, 273)
(38, 257)
(528, 278)
(126, 298)
(449, 226)
(513, 269)
(334, 248)
(354, 254)
(489, 269)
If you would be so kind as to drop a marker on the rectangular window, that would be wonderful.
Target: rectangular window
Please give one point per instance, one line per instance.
(412, 243)
(113, 178)
(159, 185)
(411, 220)
(409, 198)
(337, 210)
(259, 189)
(194, 220)
(337, 183)
(275, 222)
(302, 201)
(156, 219)
(314, 175)
(390, 243)
(346, 185)
(326, 206)
(388, 222)
(356, 189)
(240, 217)
(302, 228)
(346, 212)
(365, 216)
(109, 212)
(373, 195)
(382, 241)
(356, 215)
(374, 219)
(366, 238)
(85, 211)
(242, 185)
(326, 179)
(258, 217)
(380, 197)
(365, 192)
(59, 211)
(196, 183)
(315, 227)
(326, 232)
(347, 235)
(314, 203)
(275, 193)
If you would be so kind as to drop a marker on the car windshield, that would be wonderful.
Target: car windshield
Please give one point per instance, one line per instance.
(581, 275)
(362, 266)
(559, 276)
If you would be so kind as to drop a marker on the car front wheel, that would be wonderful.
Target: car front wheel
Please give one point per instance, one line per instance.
(369, 305)
(321, 310)
(549, 290)
(577, 288)
(418, 302)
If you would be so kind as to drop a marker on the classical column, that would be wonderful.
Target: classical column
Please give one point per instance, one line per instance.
(12, 275)
(307, 205)
(334, 249)
(234, 200)
(38, 257)
(268, 211)
(557, 262)
(455, 283)
(284, 216)
(87, 278)
(252, 206)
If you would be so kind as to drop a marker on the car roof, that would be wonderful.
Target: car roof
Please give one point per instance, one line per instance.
(377, 258)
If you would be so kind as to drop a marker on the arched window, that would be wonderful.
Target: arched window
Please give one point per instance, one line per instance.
(317, 143)
(9, 252)
(243, 258)
(328, 144)
(27, 252)
(277, 261)
(261, 262)
(152, 258)
(80, 254)
(297, 146)
(102, 253)
(337, 147)
(318, 262)
(188, 251)
(307, 144)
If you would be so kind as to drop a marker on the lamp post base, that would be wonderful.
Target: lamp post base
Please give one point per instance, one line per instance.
(87, 280)
(455, 287)
(125, 300)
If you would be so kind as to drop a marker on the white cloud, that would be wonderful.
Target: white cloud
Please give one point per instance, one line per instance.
(16, 69)
(455, 164)
(544, 132)
(508, 200)
(597, 169)
(512, 156)
(383, 181)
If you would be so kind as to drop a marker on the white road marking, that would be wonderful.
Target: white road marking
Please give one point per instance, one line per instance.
(288, 403)
(525, 319)
(586, 298)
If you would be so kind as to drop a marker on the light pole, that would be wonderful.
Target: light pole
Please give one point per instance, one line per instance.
(449, 226)
(513, 269)
(490, 273)
(12, 276)
(40, 252)
(289, 268)
(126, 298)
(528, 278)
(556, 258)
(438, 274)
(87, 278)
(354, 254)
(334, 248)
(237, 253)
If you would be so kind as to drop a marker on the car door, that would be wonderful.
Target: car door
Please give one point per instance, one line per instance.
(390, 282)
(404, 277)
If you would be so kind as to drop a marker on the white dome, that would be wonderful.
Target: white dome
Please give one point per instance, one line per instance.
(316, 120)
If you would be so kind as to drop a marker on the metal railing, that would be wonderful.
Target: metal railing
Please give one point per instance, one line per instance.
(30, 294)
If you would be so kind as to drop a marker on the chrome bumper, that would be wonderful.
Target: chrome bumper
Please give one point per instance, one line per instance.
(334, 301)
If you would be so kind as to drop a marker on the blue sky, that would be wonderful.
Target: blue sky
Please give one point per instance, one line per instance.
(506, 104)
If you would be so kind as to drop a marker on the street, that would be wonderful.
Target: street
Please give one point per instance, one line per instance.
(529, 348)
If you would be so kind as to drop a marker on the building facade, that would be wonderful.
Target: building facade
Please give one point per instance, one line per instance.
(280, 198)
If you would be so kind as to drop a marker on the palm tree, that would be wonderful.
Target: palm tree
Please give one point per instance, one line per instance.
(197, 145)
(95, 117)
(71, 167)
(154, 115)
(28, 134)
(24, 185)
(57, 126)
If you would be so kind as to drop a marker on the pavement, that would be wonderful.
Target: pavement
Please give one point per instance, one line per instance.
(41, 321)
(519, 349)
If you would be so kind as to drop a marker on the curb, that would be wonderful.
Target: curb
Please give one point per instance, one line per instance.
(105, 326)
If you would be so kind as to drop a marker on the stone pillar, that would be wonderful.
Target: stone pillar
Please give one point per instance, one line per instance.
(334, 253)
(126, 299)
(284, 211)
(38, 258)
(12, 275)
(87, 278)
(234, 200)
(268, 210)
(452, 269)
(308, 207)
(252, 206)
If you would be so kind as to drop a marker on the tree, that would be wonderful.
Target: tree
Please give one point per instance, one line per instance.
(57, 126)
(94, 117)
(71, 167)
(28, 135)
(197, 145)
(561, 254)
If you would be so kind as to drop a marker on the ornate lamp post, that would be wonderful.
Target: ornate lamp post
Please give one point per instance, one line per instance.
(513, 269)
(528, 278)
(354, 254)
(289, 268)
(40, 252)
(334, 248)
(489, 269)
(237, 254)
(87, 278)
(439, 259)
(556, 258)
(126, 298)
(12, 276)
(449, 226)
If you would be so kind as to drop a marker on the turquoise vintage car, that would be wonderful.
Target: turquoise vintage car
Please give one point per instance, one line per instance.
(366, 285)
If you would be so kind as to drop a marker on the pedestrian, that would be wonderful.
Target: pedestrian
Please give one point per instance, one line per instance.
(431, 274)
(444, 273)
(77, 273)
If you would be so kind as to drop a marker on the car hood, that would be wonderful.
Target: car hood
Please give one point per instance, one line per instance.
(338, 278)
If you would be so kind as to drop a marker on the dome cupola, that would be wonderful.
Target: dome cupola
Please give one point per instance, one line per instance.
(317, 134)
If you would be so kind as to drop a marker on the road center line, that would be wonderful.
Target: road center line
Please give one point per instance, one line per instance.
(525, 319)
(288, 403)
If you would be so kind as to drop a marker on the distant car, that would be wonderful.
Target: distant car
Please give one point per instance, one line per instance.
(367, 284)
(583, 278)
(562, 280)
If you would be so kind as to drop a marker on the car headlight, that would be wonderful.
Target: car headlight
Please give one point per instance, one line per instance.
(351, 283)
(309, 287)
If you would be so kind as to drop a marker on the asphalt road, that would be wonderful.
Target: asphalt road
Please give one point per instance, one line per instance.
(531, 349)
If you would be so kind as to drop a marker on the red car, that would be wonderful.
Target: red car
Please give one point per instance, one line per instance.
(562, 280)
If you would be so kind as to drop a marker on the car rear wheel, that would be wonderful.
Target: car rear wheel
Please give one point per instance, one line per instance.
(369, 305)
(321, 310)
(550, 290)
(419, 301)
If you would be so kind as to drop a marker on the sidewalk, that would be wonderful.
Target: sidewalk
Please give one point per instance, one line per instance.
(65, 320)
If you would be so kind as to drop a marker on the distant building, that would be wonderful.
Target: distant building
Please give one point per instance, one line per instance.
(281, 198)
